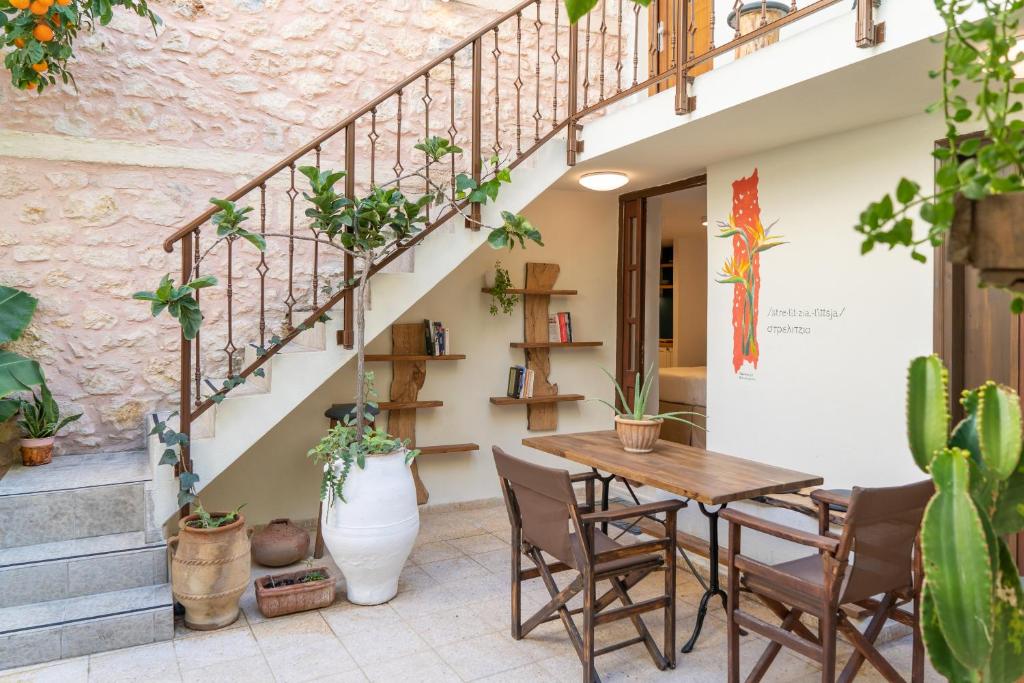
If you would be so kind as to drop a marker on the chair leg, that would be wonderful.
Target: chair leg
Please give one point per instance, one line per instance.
(772, 650)
(641, 628)
(878, 620)
(732, 591)
(827, 637)
(670, 590)
(589, 598)
(517, 586)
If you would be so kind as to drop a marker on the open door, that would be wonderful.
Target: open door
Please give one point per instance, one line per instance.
(629, 357)
(662, 29)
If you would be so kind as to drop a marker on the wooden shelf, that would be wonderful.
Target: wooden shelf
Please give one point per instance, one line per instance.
(557, 398)
(389, 357)
(536, 292)
(554, 345)
(409, 405)
(449, 448)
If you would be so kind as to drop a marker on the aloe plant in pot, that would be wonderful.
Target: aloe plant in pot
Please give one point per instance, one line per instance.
(40, 421)
(637, 430)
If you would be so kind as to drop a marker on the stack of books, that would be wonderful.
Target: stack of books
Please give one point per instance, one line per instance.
(560, 327)
(520, 382)
(437, 337)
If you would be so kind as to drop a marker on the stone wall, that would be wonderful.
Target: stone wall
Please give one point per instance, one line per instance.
(92, 180)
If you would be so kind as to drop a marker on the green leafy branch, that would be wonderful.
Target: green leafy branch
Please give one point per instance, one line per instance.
(500, 298)
(179, 302)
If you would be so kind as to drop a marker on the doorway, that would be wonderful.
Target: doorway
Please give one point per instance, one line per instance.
(662, 299)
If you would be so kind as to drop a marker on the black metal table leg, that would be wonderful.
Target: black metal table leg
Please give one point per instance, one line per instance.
(714, 587)
(606, 485)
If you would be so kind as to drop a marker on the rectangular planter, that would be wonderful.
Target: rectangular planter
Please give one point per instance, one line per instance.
(298, 597)
(986, 234)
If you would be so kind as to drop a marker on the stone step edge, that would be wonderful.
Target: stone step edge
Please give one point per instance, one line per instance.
(78, 556)
(130, 482)
(92, 617)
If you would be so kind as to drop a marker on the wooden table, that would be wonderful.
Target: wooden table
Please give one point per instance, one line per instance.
(711, 479)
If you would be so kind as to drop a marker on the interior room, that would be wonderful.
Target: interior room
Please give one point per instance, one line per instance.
(677, 222)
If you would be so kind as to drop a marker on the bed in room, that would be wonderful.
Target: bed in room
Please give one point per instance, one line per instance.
(683, 389)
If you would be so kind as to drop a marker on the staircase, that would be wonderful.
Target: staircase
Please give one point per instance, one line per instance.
(81, 568)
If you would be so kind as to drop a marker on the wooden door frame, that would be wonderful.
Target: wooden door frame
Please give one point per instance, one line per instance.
(643, 195)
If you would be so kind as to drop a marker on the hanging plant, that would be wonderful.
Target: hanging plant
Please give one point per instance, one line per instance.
(42, 34)
(501, 300)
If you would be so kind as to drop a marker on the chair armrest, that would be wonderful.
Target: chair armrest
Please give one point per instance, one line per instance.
(779, 531)
(582, 476)
(831, 498)
(647, 509)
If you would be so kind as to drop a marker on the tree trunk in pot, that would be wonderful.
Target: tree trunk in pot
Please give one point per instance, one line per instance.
(209, 572)
(371, 533)
(989, 235)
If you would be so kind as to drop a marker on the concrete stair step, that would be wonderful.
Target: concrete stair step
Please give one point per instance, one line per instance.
(30, 634)
(74, 497)
(74, 568)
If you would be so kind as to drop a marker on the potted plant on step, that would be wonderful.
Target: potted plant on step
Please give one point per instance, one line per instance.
(637, 430)
(40, 421)
(210, 567)
(978, 192)
(291, 592)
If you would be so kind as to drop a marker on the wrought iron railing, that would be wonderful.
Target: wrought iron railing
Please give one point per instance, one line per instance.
(502, 92)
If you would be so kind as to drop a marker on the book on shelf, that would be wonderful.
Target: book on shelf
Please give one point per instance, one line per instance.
(437, 338)
(560, 327)
(520, 382)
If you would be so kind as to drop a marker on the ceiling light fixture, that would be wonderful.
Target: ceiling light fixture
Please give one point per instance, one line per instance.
(603, 181)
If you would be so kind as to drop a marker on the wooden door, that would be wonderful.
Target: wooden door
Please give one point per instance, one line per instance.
(978, 338)
(631, 295)
(662, 27)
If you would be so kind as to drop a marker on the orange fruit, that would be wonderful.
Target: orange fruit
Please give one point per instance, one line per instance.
(20, 4)
(42, 33)
(48, 3)
(31, 85)
(19, 42)
(41, 67)
(38, 8)
(56, 20)
(63, 3)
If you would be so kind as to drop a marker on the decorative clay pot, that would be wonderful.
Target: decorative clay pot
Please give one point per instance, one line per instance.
(751, 16)
(36, 451)
(280, 543)
(371, 533)
(209, 572)
(637, 436)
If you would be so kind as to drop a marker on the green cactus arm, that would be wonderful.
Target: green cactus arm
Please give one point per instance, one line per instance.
(935, 643)
(1006, 664)
(957, 561)
(927, 409)
(1008, 517)
(999, 429)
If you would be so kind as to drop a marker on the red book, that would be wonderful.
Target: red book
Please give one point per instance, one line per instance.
(563, 329)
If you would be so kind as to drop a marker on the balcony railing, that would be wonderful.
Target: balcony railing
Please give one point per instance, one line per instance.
(503, 92)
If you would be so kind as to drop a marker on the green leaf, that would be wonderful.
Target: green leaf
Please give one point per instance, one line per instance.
(186, 480)
(169, 457)
(577, 9)
(18, 373)
(498, 239)
(16, 310)
(906, 190)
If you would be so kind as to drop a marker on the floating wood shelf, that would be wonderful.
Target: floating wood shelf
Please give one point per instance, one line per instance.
(409, 405)
(554, 345)
(554, 398)
(450, 448)
(391, 357)
(536, 291)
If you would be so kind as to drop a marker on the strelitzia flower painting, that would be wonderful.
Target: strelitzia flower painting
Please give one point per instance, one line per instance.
(743, 269)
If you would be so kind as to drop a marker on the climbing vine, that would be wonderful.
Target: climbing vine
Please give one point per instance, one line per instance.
(40, 35)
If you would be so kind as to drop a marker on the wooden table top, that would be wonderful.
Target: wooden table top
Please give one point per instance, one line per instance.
(694, 473)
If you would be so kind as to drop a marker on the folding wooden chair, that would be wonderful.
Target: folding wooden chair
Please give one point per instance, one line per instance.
(883, 574)
(545, 517)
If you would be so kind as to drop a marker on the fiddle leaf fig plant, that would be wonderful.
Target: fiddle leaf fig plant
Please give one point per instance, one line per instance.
(17, 372)
(981, 96)
(179, 302)
(972, 610)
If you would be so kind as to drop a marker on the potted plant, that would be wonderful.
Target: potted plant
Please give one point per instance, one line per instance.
(210, 566)
(977, 195)
(972, 603)
(40, 421)
(637, 430)
(501, 300)
(291, 592)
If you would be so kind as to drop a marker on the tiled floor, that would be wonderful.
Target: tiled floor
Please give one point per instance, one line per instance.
(449, 622)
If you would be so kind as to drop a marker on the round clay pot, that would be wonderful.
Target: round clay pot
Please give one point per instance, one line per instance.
(280, 543)
(371, 534)
(750, 18)
(36, 451)
(209, 572)
(637, 436)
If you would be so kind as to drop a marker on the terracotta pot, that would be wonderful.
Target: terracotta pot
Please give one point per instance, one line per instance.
(986, 234)
(280, 543)
(275, 601)
(750, 18)
(637, 436)
(209, 572)
(371, 534)
(36, 451)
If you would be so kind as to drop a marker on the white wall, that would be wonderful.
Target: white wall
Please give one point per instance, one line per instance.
(830, 402)
(690, 300)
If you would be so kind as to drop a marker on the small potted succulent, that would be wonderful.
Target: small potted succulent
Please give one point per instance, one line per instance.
(637, 430)
(291, 592)
(40, 421)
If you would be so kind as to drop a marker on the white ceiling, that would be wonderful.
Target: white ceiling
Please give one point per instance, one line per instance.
(682, 213)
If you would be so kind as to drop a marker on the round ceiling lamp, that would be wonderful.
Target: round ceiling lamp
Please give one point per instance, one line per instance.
(604, 181)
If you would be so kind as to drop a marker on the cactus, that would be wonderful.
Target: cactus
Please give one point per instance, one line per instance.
(972, 610)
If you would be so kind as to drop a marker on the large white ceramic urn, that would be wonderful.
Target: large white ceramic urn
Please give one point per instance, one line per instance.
(371, 533)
